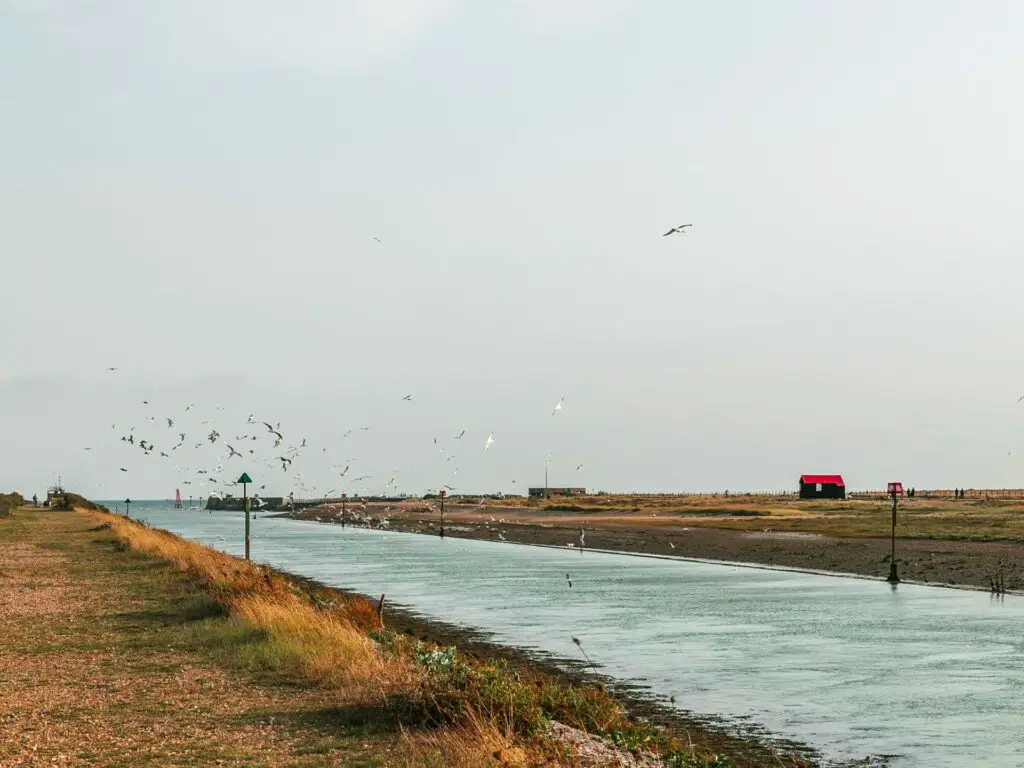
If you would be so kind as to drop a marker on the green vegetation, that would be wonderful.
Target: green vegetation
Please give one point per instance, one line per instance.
(10, 502)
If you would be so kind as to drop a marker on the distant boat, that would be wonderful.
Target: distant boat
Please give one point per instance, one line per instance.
(177, 498)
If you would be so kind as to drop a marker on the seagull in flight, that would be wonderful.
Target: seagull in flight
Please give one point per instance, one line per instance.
(568, 580)
(170, 422)
(123, 469)
(681, 229)
(558, 406)
(408, 398)
(579, 467)
(490, 439)
(112, 369)
(233, 452)
(285, 463)
(378, 240)
(460, 435)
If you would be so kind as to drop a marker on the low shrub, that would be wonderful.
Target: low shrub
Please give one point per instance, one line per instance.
(10, 502)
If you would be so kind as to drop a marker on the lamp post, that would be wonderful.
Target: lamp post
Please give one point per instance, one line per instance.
(443, 494)
(245, 480)
(127, 508)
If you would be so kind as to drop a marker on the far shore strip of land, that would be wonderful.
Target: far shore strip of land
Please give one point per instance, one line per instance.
(973, 544)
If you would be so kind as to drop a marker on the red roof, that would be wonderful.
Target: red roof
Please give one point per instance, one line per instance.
(823, 479)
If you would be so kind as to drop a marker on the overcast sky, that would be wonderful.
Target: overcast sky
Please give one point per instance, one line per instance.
(190, 192)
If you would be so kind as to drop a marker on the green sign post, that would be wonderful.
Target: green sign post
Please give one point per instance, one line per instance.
(245, 480)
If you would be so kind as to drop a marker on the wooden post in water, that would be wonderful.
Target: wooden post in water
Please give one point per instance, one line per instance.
(344, 499)
(443, 494)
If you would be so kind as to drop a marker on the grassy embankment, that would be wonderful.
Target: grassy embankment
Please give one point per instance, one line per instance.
(970, 519)
(130, 646)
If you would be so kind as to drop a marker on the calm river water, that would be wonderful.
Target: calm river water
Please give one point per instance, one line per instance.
(929, 676)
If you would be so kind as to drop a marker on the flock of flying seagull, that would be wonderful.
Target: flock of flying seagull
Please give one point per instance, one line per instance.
(205, 459)
(191, 439)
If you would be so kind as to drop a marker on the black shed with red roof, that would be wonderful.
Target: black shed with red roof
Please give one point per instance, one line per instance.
(822, 487)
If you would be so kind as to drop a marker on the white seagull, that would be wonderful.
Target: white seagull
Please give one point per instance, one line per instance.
(681, 229)
(490, 439)
(558, 406)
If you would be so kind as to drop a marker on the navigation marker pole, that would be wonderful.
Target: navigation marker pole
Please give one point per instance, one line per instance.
(443, 494)
(895, 489)
(245, 480)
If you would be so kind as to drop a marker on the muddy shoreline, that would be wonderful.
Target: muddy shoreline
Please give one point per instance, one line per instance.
(926, 561)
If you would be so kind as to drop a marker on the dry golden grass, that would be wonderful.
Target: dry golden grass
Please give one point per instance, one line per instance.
(473, 745)
(327, 643)
(920, 517)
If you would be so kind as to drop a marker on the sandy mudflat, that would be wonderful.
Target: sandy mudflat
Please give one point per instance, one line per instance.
(958, 563)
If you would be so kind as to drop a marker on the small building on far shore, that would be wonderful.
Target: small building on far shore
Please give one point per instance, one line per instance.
(822, 487)
(540, 493)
